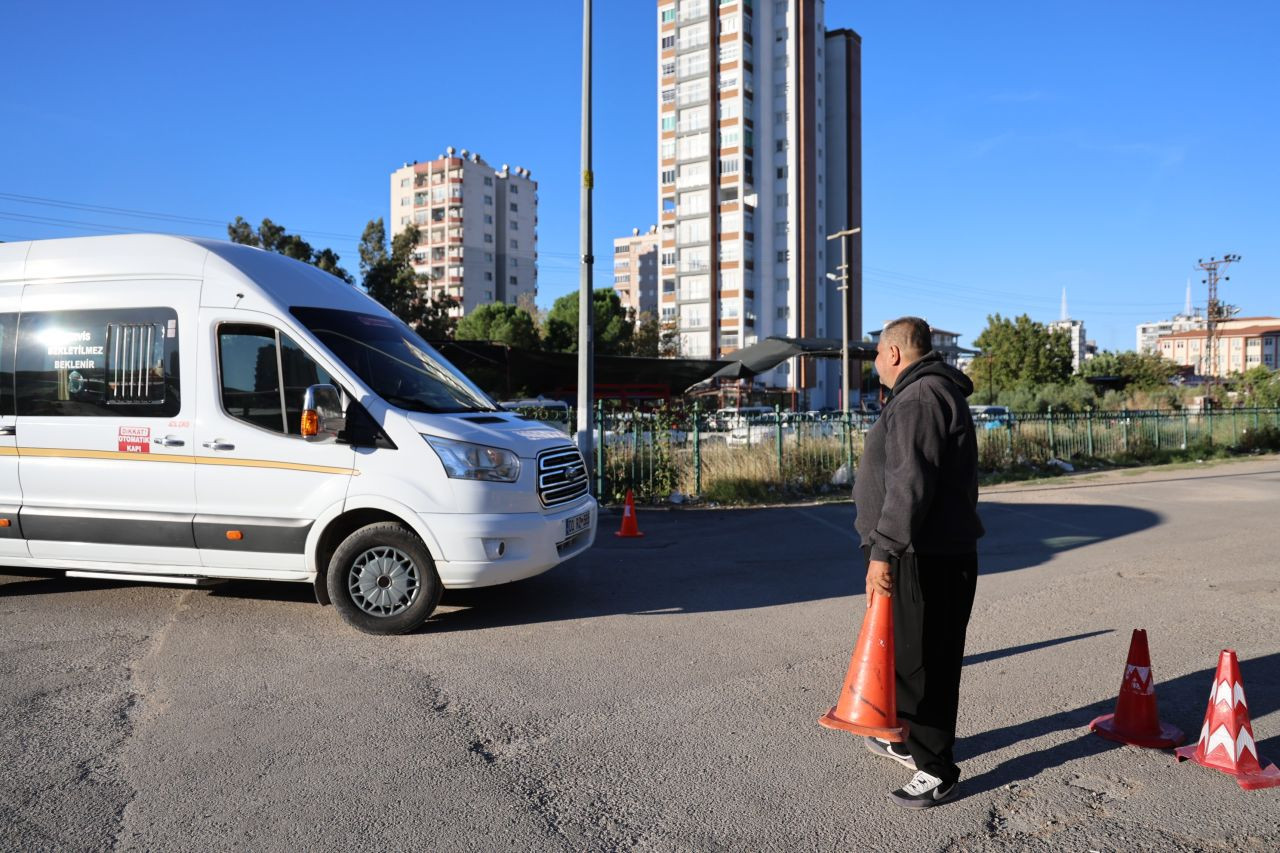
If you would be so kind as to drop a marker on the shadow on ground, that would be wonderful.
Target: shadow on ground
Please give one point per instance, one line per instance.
(1182, 702)
(706, 561)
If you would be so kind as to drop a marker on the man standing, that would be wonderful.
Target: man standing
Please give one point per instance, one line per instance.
(917, 493)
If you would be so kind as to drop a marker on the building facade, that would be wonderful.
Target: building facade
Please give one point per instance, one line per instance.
(478, 238)
(1075, 333)
(635, 271)
(1149, 334)
(759, 160)
(1243, 343)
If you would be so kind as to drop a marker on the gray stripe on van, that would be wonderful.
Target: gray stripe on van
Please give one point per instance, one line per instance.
(107, 527)
(273, 535)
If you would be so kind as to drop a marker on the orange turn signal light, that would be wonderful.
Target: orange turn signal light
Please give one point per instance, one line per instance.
(4, 522)
(235, 535)
(310, 422)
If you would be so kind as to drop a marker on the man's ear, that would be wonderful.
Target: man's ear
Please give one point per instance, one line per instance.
(895, 354)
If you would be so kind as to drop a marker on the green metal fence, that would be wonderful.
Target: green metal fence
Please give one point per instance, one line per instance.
(690, 451)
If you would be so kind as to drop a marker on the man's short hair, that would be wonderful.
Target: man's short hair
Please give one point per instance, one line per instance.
(910, 333)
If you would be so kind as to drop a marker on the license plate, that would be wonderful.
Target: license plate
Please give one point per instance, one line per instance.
(577, 523)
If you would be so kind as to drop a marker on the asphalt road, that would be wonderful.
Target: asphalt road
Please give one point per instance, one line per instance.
(659, 693)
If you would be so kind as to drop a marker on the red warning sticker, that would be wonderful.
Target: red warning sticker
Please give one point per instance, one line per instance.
(134, 439)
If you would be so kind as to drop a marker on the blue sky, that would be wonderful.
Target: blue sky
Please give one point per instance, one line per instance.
(1010, 149)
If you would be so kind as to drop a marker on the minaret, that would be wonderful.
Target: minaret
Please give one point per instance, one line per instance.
(1186, 312)
(1065, 316)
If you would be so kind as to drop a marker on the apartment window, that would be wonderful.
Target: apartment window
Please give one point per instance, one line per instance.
(668, 176)
(729, 109)
(488, 180)
(727, 82)
(693, 146)
(694, 202)
(781, 172)
(514, 207)
(694, 118)
(694, 287)
(729, 340)
(784, 255)
(694, 315)
(730, 223)
(729, 24)
(488, 238)
(692, 91)
(668, 312)
(488, 256)
(668, 68)
(692, 36)
(693, 230)
(404, 182)
(513, 225)
(515, 244)
(488, 275)
(668, 95)
(729, 165)
(730, 280)
(668, 259)
(668, 15)
(668, 122)
(781, 200)
(488, 219)
(515, 262)
(730, 250)
(692, 64)
(729, 53)
(667, 149)
(668, 42)
(512, 280)
(488, 200)
(783, 312)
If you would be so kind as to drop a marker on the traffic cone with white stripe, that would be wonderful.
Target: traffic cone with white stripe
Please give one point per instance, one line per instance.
(1136, 720)
(629, 528)
(1226, 740)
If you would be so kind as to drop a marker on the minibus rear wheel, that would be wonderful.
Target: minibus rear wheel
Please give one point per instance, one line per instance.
(382, 579)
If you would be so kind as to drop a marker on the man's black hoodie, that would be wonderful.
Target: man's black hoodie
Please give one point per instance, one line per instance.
(917, 483)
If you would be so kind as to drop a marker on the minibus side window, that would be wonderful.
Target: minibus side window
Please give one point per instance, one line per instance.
(250, 360)
(116, 362)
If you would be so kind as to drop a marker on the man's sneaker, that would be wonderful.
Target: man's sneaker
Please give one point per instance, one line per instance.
(889, 749)
(924, 790)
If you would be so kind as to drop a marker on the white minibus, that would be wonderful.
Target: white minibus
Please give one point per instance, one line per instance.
(176, 409)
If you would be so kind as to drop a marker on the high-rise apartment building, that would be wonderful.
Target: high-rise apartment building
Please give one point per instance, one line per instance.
(1190, 319)
(635, 271)
(478, 227)
(759, 149)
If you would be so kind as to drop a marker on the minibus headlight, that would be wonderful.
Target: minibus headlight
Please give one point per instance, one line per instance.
(464, 461)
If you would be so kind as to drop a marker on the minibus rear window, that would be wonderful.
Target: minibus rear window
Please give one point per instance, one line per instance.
(394, 361)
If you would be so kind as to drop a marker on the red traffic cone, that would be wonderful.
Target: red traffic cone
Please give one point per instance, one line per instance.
(629, 529)
(1226, 740)
(868, 703)
(1135, 720)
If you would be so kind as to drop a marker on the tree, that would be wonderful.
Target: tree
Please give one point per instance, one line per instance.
(1144, 371)
(1019, 352)
(1259, 386)
(274, 238)
(391, 279)
(647, 340)
(614, 330)
(507, 324)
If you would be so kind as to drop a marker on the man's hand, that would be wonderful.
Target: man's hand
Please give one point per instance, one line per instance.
(879, 580)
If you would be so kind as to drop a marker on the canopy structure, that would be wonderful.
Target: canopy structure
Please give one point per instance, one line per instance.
(769, 353)
(508, 372)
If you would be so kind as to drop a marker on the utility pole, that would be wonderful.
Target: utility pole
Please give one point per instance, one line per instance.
(586, 316)
(843, 278)
(1215, 313)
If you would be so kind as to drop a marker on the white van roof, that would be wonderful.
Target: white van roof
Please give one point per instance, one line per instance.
(232, 273)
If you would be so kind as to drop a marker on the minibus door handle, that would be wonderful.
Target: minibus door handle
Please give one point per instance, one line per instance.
(8, 429)
(169, 441)
(219, 444)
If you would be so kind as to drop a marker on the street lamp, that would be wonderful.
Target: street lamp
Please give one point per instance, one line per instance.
(843, 278)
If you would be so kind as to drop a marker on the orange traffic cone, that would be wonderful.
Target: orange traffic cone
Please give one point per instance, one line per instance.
(629, 529)
(1226, 740)
(1136, 720)
(868, 703)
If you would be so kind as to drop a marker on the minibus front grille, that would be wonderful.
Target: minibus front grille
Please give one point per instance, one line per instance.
(562, 476)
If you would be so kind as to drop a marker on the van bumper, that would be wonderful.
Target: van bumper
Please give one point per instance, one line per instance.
(530, 544)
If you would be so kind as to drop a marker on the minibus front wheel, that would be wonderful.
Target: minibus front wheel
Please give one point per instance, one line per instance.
(382, 579)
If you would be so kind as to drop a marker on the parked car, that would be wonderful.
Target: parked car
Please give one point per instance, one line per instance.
(990, 417)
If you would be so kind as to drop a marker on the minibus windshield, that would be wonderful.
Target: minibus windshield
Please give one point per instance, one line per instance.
(396, 364)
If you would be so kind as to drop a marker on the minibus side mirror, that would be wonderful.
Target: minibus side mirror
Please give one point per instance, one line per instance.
(322, 414)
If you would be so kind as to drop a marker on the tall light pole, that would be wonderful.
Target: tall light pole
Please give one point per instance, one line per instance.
(843, 278)
(586, 316)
